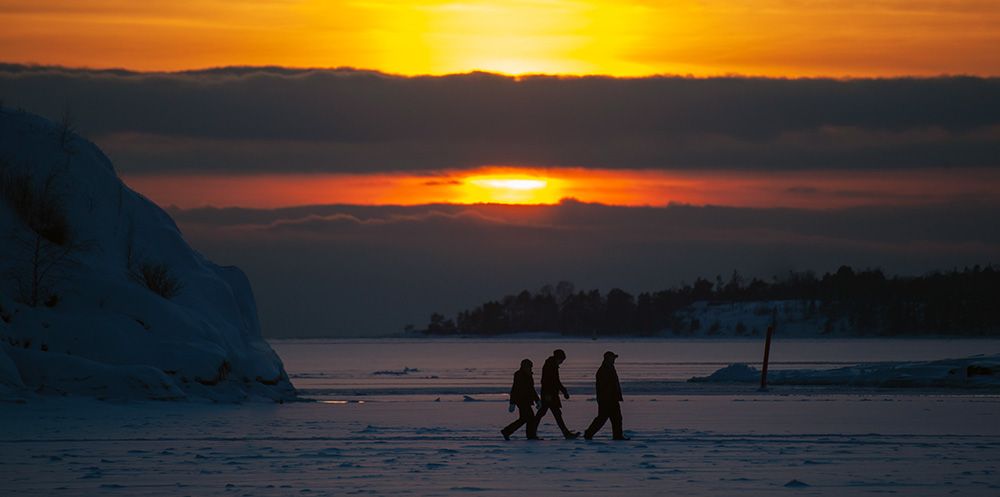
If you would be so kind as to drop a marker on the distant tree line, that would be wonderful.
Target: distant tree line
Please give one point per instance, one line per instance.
(961, 302)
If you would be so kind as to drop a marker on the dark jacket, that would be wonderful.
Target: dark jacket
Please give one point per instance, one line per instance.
(551, 386)
(523, 389)
(608, 387)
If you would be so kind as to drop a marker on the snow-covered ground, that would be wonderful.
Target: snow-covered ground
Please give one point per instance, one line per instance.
(388, 434)
(682, 445)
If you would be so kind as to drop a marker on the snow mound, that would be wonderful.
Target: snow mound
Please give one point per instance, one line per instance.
(733, 373)
(99, 293)
(796, 484)
(981, 371)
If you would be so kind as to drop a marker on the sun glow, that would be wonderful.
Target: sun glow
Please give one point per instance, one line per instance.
(803, 189)
(497, 187)
(615, 37)
(510, 184)
(513, 37)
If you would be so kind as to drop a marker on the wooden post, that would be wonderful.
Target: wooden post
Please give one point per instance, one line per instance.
(767, 353)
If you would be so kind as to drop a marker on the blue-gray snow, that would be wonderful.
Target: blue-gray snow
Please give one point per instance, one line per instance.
(101, 296)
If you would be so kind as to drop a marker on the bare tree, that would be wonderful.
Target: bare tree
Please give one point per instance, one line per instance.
(47, 247)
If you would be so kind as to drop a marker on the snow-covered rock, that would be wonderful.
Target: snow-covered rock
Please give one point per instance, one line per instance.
(981, 371)
(798, 318)
(95, 327)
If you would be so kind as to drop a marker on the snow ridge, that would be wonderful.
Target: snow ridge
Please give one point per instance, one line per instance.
(980, 371)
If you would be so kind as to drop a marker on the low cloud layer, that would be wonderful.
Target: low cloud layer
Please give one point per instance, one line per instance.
(283, 120)
(352, 270)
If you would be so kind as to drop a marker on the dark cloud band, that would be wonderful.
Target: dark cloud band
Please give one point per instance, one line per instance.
(277, 119)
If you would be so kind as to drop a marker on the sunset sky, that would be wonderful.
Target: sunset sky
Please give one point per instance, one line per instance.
(785, 38)
(772, 38)
(681, 137)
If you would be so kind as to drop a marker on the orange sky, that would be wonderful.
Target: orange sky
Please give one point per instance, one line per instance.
(804, 189)
(617, 37)
(780, 38)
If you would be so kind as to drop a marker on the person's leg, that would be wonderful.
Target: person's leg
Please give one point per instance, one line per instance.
(538, 417)
(541, 413)
(523, 417)
(557, 413)
(511, 428)
(508, 430)
(598, 422)
(616, 420)
(528, 418)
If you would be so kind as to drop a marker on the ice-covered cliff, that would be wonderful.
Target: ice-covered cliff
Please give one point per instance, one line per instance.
(99, 293)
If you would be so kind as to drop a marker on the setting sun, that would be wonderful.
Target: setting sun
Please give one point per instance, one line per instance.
(510, 184)
(508, 189)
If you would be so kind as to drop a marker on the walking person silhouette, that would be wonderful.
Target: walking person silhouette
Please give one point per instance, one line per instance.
(551, 388)
(522, 395)
(609, 397)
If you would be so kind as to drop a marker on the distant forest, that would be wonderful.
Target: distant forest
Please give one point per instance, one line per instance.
(960, 303)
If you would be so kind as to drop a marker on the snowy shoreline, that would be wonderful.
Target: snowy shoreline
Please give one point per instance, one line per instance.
(102, 296)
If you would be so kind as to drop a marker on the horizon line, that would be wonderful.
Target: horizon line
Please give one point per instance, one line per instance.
(250, 68)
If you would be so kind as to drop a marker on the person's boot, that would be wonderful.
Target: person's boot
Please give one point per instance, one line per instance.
(506, 436)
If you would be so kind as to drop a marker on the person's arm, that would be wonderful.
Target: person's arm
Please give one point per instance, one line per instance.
(618, 386)
(513, 390)
(601, 385)
(561, 387)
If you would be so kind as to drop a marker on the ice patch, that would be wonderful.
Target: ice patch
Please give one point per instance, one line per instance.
(981, 371)
(401, 372)
(739, 373)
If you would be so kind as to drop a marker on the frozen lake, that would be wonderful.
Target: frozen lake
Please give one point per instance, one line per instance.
(431, 368)
(388, 434)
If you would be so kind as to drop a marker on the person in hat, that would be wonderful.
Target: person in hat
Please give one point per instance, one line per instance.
(551, 388)
(609, 397)
(523, 396)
